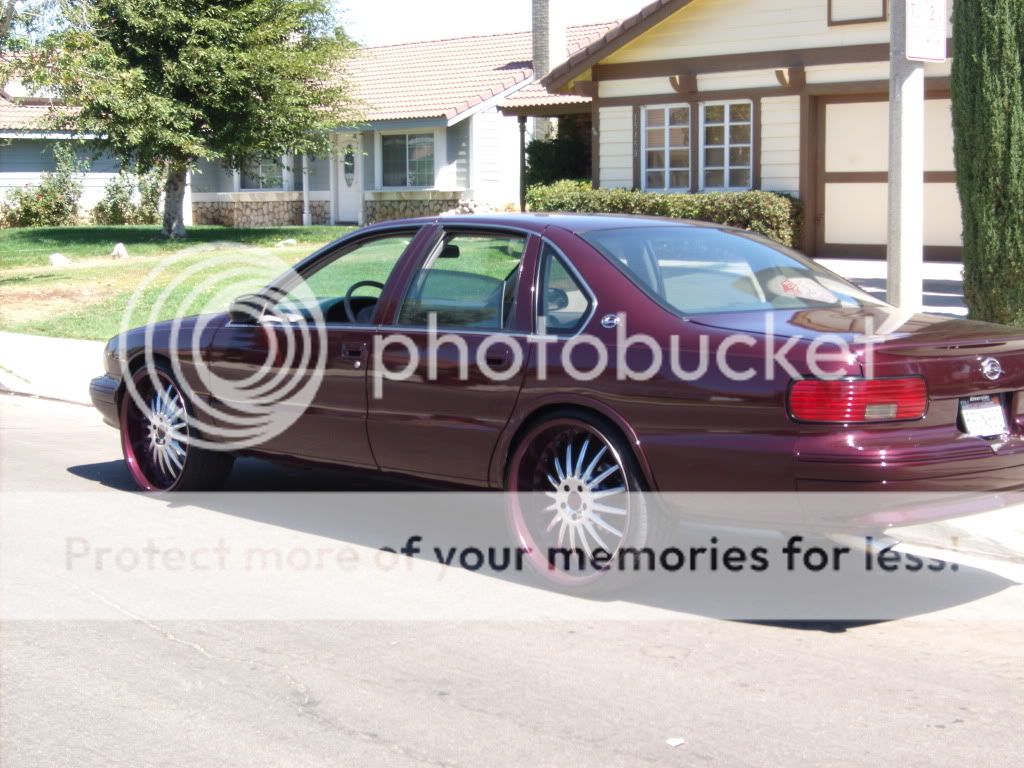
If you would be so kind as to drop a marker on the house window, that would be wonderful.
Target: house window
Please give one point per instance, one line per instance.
(265, 173)
(727, 133)
(667, 151)
(407, 159)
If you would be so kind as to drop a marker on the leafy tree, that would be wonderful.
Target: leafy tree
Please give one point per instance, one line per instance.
(988, 126)
(169, 82)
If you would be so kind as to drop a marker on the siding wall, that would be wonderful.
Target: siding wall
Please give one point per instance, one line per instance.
(494, 162)
(24, 161)
(212, 177)
(780, 144)
(615, 140)
(715, 27)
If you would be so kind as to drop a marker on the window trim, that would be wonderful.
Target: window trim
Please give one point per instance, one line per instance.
(559, 254)
(440, 160)
(281, 164)
(430, 258)
(644, 148)
(727, 168)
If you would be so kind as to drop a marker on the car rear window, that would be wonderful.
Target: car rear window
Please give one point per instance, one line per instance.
(697, 270)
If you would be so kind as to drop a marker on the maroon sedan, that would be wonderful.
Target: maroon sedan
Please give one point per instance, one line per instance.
(582, 357)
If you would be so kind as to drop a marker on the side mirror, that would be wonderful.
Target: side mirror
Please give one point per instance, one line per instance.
(248, 309)
(450, 251)
(555, 300)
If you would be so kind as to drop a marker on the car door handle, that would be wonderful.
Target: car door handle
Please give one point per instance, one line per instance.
(353, 351)
(497, 360)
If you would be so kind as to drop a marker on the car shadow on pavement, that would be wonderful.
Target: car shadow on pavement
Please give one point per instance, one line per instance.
(723, 595)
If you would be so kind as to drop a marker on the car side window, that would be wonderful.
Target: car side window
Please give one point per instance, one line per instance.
(367, 265)
(563, 304)
(470, 281)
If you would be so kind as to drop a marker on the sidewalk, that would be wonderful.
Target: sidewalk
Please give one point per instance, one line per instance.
(47, 367)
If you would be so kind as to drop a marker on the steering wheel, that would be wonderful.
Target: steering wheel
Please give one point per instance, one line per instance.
(352, 289)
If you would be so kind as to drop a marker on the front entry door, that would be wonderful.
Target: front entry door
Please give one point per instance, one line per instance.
(350, 182)
(320, 332)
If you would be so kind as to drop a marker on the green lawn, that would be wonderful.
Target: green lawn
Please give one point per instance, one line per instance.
(33, 246)
(88, 299)
(95, 297)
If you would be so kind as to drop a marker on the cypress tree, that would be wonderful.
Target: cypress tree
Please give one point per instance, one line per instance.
(988, 125)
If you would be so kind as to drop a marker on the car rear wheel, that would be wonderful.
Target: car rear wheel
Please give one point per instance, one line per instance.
(574, 485)
(155, 437)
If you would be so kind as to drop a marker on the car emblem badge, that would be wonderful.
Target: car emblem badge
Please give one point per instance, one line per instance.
(991, 368)
(611, 321)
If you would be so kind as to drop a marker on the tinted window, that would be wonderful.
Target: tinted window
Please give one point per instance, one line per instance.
(469, 281)
(696, 270)
(563, 304)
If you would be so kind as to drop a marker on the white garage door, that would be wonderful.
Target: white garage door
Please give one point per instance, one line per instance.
(853, 177)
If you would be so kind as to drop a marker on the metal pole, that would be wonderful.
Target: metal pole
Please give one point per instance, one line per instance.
(905, 286)
(522, 163)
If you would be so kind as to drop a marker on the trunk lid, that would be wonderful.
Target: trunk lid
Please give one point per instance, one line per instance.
(953, 354)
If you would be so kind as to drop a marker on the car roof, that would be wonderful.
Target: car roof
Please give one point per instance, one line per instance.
(572, 222)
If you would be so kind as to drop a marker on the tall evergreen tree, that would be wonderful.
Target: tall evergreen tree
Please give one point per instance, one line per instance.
(988, 124)
(169, 82)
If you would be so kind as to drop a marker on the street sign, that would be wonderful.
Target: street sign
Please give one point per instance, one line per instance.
(926, 30)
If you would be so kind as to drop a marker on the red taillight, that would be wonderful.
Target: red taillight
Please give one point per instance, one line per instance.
(852, 401)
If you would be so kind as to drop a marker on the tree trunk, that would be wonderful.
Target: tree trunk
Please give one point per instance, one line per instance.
(6, 22)
(174, 200)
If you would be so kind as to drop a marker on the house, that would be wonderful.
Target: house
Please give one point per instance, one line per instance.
(782, 95)
(26, 147)
(434, 136)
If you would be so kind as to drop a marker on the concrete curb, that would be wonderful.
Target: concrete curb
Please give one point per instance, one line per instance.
(56, 369)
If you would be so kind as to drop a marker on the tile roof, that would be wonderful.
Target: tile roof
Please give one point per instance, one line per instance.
(444, 78)
(432, 79)
(536, 95)
(16, 116)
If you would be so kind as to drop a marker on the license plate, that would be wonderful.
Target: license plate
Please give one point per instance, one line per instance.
(983, 416)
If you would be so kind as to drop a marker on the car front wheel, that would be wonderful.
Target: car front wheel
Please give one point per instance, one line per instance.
(156, 432)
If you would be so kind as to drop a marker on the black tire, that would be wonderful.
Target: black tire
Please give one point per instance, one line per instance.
(578, 436)
(167, 462)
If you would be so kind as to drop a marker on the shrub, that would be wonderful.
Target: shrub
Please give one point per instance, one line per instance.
(567, 156)
(130, 199)
(117, 205)
(54, 202)
(770, 214)
(988, 128)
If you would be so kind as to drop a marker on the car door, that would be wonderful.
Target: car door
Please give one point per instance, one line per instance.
(449, 367)
(305, 358)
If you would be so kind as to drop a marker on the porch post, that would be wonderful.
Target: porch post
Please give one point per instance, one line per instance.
(522, 163)
(333, 155)
(307, 218)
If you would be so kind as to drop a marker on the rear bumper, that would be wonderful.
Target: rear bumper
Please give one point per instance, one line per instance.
(103, 392)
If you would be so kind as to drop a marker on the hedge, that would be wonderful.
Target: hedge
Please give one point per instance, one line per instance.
(768, 213)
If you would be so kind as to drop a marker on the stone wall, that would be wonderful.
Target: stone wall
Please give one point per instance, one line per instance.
(386, 206)
(258, 213)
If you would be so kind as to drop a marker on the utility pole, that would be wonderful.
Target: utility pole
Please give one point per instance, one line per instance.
(905, 285)
(917, 30)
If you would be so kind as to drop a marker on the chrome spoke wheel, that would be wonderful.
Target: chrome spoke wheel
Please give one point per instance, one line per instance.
(589, 497)
(572, 500)
(155, 430)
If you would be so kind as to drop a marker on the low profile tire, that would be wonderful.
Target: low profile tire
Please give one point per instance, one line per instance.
(155, 439)
(573, 482)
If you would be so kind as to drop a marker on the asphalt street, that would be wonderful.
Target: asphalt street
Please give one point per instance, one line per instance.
(97, 669)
